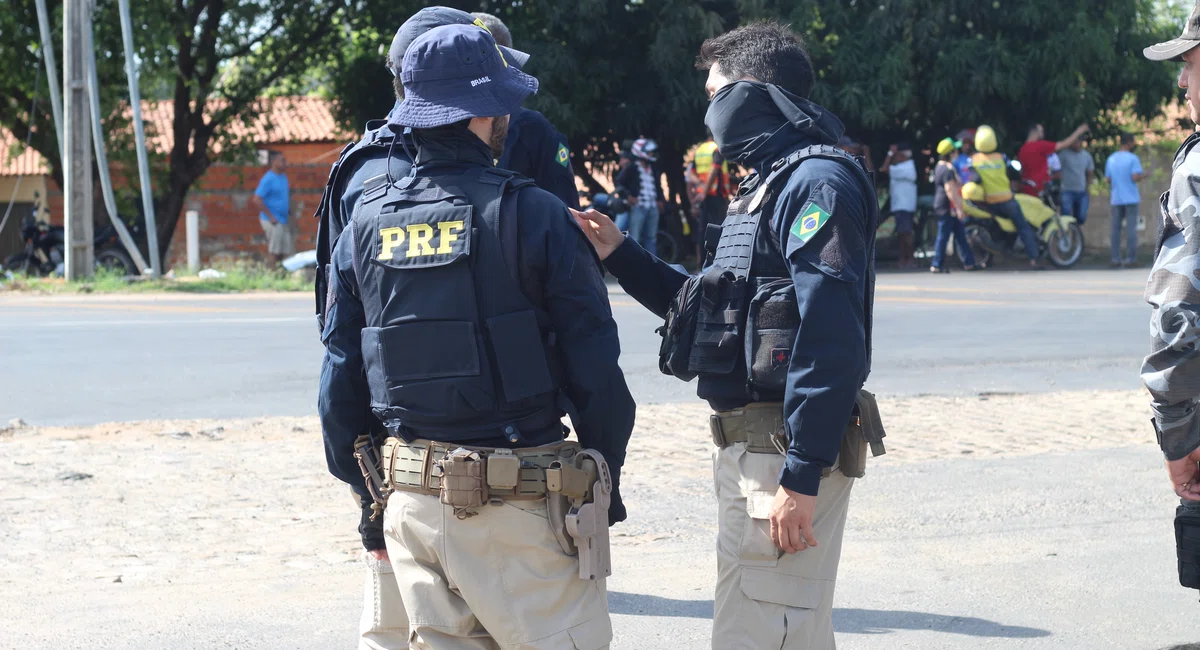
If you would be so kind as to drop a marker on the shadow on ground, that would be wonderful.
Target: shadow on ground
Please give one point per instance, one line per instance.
(845, 621)
(883, 621)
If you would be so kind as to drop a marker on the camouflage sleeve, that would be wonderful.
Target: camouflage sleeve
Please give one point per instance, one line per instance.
(1172, 370)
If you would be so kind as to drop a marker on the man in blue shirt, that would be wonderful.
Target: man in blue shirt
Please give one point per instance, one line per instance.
(1124, 170)
(272, 199)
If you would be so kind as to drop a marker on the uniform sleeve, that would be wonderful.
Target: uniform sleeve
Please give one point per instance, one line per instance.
(553, 162)
(343, 398)
(649, 280)
(586, 334)
(829, 362)
(1171, 372)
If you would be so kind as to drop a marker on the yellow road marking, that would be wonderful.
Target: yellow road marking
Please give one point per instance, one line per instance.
(935, 301)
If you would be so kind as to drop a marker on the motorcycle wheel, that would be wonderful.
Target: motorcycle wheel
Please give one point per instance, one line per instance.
(21, 264)
(981, 244)
(1065, 246)
(115, 260)
(667, 247)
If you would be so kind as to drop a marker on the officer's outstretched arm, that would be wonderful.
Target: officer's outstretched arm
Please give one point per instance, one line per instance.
(825, 242)
(577, 302)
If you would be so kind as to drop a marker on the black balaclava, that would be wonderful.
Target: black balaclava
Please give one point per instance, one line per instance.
(748, 118)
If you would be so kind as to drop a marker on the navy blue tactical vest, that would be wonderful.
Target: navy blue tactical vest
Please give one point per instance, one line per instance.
(454, 350)
(377, 140)
(747, 315)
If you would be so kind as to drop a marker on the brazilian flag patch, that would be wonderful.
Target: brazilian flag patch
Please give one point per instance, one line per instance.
(563, 156)
(809, 223)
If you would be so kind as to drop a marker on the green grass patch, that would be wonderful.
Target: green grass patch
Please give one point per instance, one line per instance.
(237, 279)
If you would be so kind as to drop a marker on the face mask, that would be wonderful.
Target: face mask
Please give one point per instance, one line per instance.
(742, 117)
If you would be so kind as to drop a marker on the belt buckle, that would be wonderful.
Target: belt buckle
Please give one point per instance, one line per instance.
(718, 432)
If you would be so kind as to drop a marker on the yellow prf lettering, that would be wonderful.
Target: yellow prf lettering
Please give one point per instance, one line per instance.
(391, 238)
(448, 234)
(419, 235)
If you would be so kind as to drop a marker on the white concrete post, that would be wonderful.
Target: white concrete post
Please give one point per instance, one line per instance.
(193, 240)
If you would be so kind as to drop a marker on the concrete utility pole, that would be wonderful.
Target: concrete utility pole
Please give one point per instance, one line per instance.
(77, 166)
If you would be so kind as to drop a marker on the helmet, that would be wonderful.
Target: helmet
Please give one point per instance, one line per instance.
(974, 192)
(985, 139)
(946, 146)
(645, 149)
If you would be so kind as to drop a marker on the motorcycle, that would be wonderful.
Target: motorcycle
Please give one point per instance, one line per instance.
(45, 250)
(1059, 236)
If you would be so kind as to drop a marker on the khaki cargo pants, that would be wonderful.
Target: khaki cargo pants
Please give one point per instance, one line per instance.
(384, 623)
(494, 581)
(766, 598)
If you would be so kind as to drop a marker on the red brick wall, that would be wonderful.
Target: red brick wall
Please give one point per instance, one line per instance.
(229, 224)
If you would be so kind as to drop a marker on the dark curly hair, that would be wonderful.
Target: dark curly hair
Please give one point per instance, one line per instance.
(764, 51)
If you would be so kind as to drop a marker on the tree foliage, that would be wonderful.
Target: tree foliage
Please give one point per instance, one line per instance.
(211, 58)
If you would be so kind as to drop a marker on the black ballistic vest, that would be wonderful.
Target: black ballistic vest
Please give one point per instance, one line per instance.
(746, 317)
(454, 350)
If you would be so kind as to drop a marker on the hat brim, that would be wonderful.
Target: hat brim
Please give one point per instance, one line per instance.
(495, 99)
(515, 57)
(1171, 50)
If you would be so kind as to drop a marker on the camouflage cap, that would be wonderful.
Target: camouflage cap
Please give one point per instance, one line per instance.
(1175, 48)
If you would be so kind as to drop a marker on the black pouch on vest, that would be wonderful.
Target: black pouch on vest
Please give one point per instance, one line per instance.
(717, 342)
(679, 331)
(772, 323)
(1187, 543)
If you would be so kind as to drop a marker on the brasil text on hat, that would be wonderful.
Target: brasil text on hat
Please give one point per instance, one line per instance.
(1175, 48)
(457, 72)
(430, 17)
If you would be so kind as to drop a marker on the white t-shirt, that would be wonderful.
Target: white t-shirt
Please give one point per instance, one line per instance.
(903, 186)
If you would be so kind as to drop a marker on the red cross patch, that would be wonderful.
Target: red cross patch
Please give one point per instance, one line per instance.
(780, 357)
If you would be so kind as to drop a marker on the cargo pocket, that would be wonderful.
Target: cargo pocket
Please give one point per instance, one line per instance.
(790, 591)
(592, 635)
(384, 622)
(757, 549)
(520, 355)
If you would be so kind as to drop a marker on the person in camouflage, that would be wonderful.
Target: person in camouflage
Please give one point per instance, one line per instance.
(1172, 370)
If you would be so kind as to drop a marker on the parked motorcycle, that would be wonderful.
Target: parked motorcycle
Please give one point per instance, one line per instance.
(45, 250)
(1059, 236)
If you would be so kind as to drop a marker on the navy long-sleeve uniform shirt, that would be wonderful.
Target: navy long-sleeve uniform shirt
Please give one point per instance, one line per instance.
(831, 273)
(556, 257)
(536, 150)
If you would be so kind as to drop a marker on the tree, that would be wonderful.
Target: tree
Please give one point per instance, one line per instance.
(610, 70)
(212, 58)
(920, 70)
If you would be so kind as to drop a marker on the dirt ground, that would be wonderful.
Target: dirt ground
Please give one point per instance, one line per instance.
(149, 502)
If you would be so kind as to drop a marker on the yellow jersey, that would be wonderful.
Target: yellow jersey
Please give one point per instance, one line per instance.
(993, 175)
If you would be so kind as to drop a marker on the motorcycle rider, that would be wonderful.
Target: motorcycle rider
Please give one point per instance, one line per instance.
(989, 168)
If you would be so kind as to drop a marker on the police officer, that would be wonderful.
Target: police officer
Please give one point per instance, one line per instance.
(534, 148)
(1172, 370)
(470, 311)
(793, 258)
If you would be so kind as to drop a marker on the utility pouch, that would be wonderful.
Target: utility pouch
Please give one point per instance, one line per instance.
(772, 324)
(1187, 543)
(369, 463)
(678, 332)
(852, 457)
(503, 471)
(867, 410)
(588, 522)
(464, 482)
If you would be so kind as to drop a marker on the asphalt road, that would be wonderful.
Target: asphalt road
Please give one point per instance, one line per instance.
(81, 360)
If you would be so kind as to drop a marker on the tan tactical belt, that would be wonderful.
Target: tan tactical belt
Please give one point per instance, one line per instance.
(416, 467)
(759, 425)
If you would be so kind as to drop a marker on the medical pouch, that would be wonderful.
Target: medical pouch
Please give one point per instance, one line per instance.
(772, 324)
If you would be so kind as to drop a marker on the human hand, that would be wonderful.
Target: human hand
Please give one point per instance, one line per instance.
(380, 554)
(1184, 474)
(893, 149)
(272, 219)
(791, 520)
(600, 231)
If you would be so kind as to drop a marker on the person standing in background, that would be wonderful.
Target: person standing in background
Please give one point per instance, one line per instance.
(948, 207)
(1078, 170)
(639, 183)
(902, 187)
(1123, 170)
(966, 148)
(272, 198)
(1035, 153)
(713, 174)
